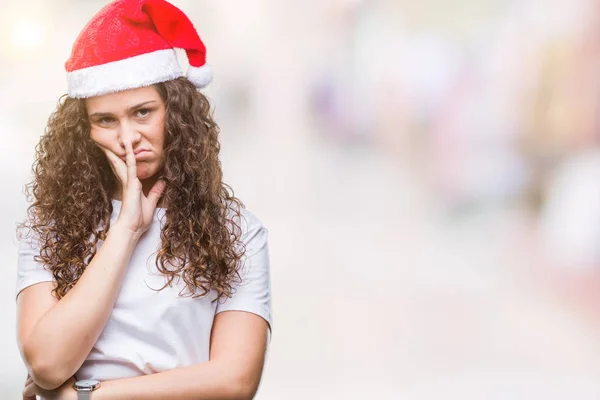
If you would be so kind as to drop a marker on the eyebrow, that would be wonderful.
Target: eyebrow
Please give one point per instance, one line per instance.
(129, 109)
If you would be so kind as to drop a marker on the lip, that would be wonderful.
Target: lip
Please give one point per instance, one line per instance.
(139, 153)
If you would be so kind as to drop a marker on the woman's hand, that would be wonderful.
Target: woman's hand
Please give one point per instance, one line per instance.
(137, 210)
(64, 392)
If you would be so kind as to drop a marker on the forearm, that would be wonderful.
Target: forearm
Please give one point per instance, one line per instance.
(210, 380)
(64, 336)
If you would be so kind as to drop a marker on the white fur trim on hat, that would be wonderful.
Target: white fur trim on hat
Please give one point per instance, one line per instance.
(143, 70)
(200, 76)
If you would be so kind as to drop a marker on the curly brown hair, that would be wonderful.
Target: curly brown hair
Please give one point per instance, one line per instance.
(70, 197)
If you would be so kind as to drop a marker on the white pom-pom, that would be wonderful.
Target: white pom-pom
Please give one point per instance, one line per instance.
(200, 76)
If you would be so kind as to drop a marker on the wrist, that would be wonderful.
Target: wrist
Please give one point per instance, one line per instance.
(125, 233)
(72, 394)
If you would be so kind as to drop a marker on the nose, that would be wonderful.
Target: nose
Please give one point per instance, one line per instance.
(128, 132)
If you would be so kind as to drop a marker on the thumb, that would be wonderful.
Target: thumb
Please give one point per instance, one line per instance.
(156, 191)
(29, 392)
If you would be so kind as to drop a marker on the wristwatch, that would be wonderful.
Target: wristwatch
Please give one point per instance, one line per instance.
(85, 387)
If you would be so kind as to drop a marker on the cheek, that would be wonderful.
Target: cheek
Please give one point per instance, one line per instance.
(158, 134)
(98, 137)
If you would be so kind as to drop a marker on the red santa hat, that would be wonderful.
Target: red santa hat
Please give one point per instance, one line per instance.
(130, 44)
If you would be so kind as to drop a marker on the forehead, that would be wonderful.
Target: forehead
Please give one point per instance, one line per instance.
(121, 101)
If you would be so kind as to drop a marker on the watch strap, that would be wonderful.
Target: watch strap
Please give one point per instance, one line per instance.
(83, 394)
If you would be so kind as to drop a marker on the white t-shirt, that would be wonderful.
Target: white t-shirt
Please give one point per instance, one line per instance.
(150, 331)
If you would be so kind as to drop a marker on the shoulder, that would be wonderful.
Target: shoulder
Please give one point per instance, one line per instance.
(244, 218)
(250, 224)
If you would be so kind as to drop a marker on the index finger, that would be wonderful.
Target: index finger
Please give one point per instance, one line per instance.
(131, 165)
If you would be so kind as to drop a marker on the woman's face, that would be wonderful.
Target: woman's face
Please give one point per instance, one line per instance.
(137, 115)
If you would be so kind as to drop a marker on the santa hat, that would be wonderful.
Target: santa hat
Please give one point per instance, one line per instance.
(130, 44)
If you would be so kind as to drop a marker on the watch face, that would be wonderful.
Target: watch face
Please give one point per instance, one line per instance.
(87, 384)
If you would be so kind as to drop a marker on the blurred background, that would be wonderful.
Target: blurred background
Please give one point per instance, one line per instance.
(429, 172)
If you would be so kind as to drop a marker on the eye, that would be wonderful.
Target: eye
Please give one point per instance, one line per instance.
(106, 120)
(143, 112)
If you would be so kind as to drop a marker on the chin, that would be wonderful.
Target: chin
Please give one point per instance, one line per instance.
(144, 177)
(145, 174)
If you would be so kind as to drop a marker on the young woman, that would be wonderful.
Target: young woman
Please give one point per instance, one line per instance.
(139, 276)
